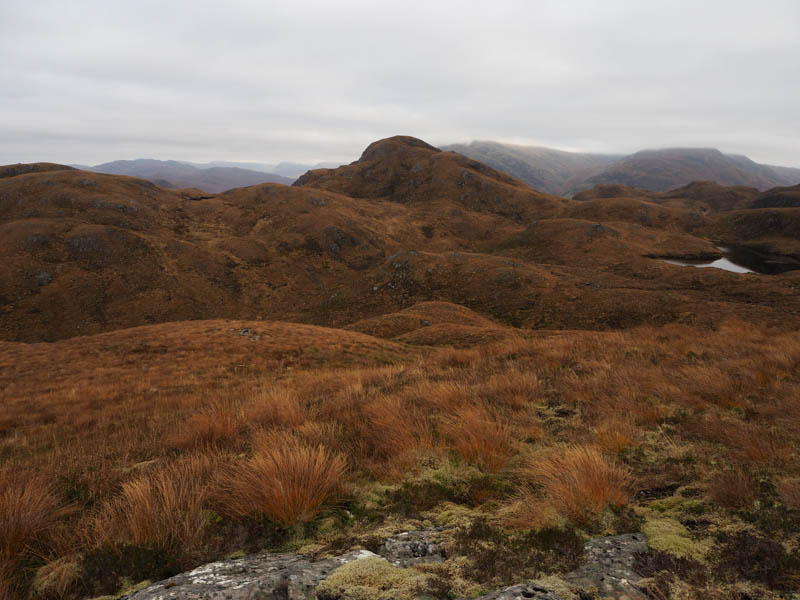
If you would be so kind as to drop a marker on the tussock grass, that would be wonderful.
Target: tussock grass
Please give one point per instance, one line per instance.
(150, 460)
(579, 481)
(479, 435)
(30, 510)
(287, 479)
(163, 509)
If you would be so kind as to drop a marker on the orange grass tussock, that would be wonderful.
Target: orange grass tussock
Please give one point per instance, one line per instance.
(579, 481)
(30, 509)
(480, 436)
(163, 510)
(287, 479)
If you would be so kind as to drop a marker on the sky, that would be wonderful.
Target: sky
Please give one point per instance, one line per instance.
(93, 81)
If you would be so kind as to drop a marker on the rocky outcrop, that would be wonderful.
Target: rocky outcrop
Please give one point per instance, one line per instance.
(265, 576)
(607, 568)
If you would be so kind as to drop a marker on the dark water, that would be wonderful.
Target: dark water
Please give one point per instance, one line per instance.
(739, 259)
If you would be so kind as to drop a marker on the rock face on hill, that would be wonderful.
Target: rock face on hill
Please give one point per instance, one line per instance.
(83, 253)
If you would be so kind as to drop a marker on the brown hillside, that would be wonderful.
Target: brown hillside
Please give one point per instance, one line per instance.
(85, 253)
(22, 169)
(406, 170)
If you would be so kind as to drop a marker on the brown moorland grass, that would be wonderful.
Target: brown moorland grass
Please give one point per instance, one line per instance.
(480, 436)
(30, 509)
(579, 481)
(104, 422)
(163, 509)
(287, 479)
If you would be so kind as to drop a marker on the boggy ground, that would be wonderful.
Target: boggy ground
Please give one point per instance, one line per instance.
(133, 455)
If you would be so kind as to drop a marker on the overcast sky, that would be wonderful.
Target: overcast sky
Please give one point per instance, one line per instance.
(92, 81)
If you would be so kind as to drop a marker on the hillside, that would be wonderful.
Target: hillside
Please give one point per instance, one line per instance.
(567, 173)
(662, 170)
(174, 174)
(414, 355)
(85, 253)
(544, 169)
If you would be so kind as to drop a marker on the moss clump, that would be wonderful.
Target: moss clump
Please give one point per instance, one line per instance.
(375, 579)
(668, 535)
(677, 506)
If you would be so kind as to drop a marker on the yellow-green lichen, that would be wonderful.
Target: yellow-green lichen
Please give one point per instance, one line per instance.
(373, 578)
(668, 535)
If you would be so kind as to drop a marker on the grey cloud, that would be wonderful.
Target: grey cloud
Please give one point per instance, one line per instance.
(89, 81)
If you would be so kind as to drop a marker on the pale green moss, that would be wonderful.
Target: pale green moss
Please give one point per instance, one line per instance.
(677, 505)
(237, 554)
(668, 535)
(373, 579)
(128, 587)
(448, 513)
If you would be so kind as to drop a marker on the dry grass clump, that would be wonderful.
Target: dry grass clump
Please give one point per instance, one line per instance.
(481, 436)
(732, 488)
(278, 406)
(579, 481)
(615, 434)
(218, 424)
(56, 578)
(395, 430)
(163, 510)
(515, 389)
(286, 480)
(30, 509)
(789, 490)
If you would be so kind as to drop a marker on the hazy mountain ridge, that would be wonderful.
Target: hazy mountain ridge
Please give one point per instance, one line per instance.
(291, 170)
(660, 170)
(176, 174)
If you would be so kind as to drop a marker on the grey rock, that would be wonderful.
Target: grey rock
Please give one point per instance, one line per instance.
(259, 576)
(528, 591)
(84, 243)
(412, 548)
(43, 278)
(425, 322)
(608, 566)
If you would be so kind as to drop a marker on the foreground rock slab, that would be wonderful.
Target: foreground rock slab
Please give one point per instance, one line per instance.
(608, 566)
(259, 576)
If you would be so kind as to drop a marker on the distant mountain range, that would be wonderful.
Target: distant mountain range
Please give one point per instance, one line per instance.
(292, 170)
(568, 173)
(175, 174)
